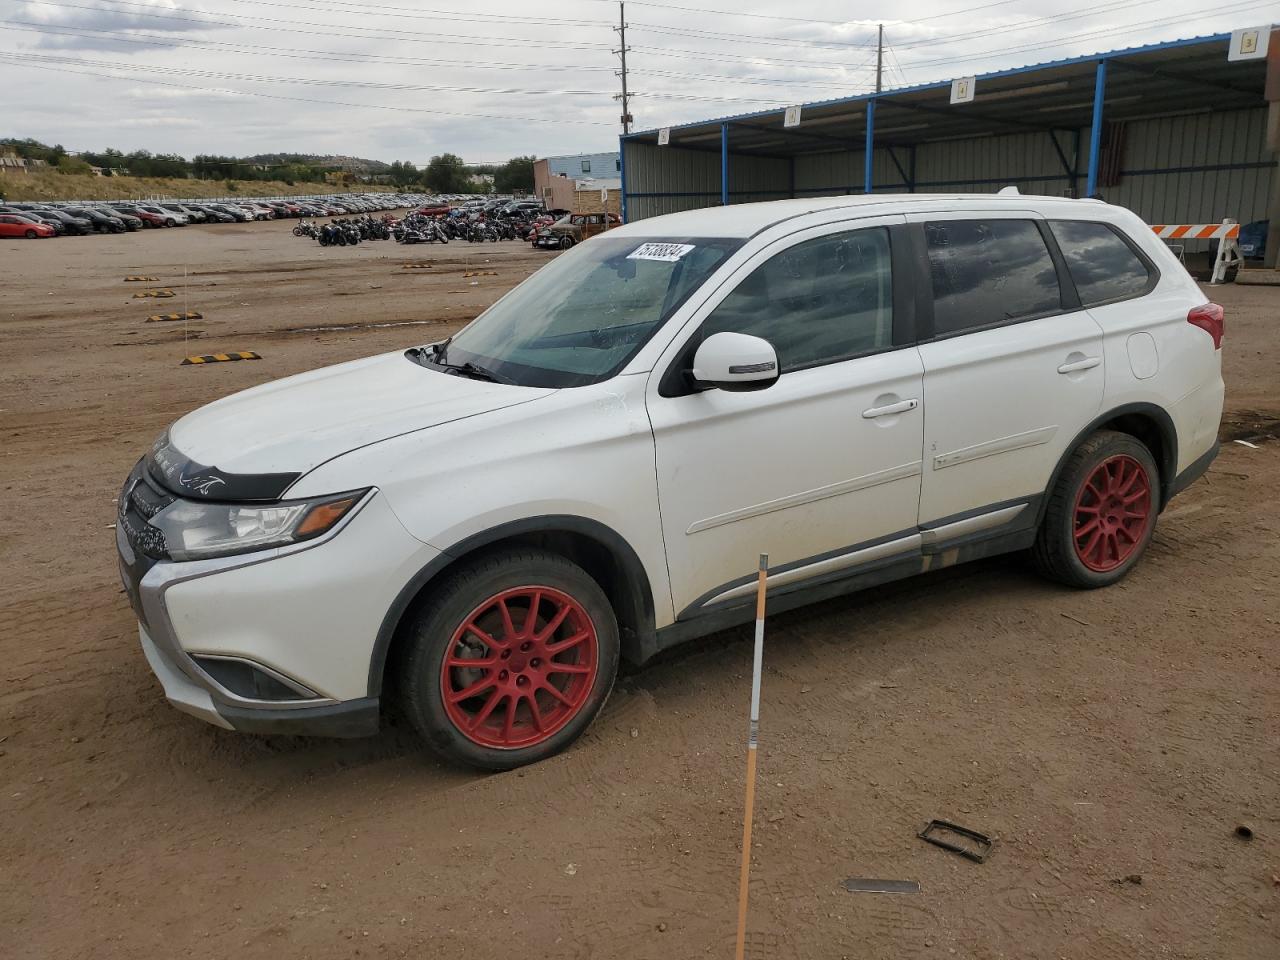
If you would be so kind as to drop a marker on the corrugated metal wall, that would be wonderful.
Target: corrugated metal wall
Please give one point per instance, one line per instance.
(688, 179)
(1196, 140)
(1155, 183)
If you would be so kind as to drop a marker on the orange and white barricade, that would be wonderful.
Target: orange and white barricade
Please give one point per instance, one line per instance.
(1227, 233)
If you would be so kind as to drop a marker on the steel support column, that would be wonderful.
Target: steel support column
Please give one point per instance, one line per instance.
(724, 164)
(1095, 135)
(622, 173)
(869, 149)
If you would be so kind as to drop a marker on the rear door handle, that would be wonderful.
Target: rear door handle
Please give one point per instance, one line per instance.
(902, 406)
(1088, 363)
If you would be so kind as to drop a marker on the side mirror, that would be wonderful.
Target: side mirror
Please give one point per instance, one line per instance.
(735, 361)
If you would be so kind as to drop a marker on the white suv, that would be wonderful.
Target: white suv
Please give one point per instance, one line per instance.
(864, 388)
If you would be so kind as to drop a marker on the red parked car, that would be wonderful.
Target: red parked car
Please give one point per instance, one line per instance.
(12, 226)
(148, 218)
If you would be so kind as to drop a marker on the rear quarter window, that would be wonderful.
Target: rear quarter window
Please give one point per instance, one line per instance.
(1103, 265)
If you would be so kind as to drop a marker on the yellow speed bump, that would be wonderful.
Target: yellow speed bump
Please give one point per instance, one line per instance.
(189, 315)
(154, 293)
(220, 358)
(141, 279)
(480, 273)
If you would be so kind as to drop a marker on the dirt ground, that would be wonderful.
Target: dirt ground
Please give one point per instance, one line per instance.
(1097, 736)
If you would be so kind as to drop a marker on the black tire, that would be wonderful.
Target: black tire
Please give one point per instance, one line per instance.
(566, 243)
(170, 222)
(1055, 553)
(431, 636)
(31, 234)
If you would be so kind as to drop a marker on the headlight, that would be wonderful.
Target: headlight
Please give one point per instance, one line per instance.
(196, 531)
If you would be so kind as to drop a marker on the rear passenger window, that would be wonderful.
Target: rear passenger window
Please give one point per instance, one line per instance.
(1103, 266)
(823, 300)
(988, 272)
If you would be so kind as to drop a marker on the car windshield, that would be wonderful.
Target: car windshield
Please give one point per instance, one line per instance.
(579, 319)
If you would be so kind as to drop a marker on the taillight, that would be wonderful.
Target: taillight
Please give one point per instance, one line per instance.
(1208, 318)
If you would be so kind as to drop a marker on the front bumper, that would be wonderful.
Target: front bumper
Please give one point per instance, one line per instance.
(304, 619)
(349, 718)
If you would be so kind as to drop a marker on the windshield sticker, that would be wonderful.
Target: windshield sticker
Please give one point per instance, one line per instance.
(666, 252)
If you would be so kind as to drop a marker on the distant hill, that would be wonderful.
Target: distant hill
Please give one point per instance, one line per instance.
(357, 165)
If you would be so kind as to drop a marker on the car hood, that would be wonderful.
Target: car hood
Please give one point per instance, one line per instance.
(292, 425)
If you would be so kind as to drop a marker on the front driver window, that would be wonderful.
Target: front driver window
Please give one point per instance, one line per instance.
(818, 302)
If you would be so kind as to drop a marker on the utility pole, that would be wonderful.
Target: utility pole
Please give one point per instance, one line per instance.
(879, 60)
(621, 30)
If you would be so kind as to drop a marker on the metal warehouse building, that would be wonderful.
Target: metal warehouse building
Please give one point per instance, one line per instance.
(1176, 131)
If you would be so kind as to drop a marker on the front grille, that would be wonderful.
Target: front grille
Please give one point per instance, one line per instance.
(140, 500)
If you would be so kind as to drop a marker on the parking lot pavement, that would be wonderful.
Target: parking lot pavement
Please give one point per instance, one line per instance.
(1098, 737)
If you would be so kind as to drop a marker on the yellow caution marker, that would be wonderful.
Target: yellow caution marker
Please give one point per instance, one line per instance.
(220, 358)
(162, 317)
(141, 279)
(480, 273)
(154, 293)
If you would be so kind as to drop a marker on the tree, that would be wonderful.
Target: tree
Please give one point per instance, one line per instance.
(447, 174)
(516, 174)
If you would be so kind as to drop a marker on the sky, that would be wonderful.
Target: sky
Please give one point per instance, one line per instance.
(492, 79)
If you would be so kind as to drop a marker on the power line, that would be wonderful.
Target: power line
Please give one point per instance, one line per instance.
(368, 33)
(692, 33)
(1079, 13)
(1114, 31)
(358, 84)
(8, 59)
(296, 53)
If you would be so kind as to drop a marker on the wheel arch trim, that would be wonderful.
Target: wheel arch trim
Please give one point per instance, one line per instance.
(639, 642)
(1166, 458)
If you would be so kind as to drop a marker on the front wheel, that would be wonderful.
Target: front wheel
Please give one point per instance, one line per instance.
(510, 660)
(566, 243)
(1101, 513)
(30, 234)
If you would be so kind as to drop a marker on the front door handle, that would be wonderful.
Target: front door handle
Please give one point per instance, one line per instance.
(902, 406)
(1088, 363)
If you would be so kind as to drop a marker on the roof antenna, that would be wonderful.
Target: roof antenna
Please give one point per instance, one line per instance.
(1009, 191)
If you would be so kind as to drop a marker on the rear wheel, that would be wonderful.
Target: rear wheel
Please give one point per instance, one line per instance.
(1101, 513)
(510, 660)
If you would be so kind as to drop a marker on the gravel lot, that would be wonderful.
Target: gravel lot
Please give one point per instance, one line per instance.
(1097, 736)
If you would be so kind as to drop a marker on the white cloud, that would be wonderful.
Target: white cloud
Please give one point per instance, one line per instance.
(493, 44)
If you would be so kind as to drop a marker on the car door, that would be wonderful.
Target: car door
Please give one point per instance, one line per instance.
(1013, 369)
(821, 469)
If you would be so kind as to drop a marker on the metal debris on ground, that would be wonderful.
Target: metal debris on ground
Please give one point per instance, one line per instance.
(221, 358)
(141, 279)
(163, 317)
(416, 266)
(860, 885)
(154, 293)
(971, 845)
(480, 273)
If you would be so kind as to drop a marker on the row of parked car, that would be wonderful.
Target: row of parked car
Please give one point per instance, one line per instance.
(32, 220)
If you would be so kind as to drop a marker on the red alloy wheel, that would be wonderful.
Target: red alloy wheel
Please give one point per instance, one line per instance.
(1112, 512)
(520, 667)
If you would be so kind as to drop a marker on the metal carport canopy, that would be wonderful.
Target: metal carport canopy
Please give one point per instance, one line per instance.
(1163, 78)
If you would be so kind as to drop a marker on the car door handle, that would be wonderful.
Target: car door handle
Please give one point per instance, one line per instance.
(1088, 363)
(902, 406)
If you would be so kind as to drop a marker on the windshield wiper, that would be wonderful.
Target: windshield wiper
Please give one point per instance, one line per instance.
(475, 371)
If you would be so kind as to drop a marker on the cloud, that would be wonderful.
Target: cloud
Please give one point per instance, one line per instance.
(70, 28)
(89, 106)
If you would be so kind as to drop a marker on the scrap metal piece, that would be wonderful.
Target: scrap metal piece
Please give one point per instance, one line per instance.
(983, 843)
(863, 885)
